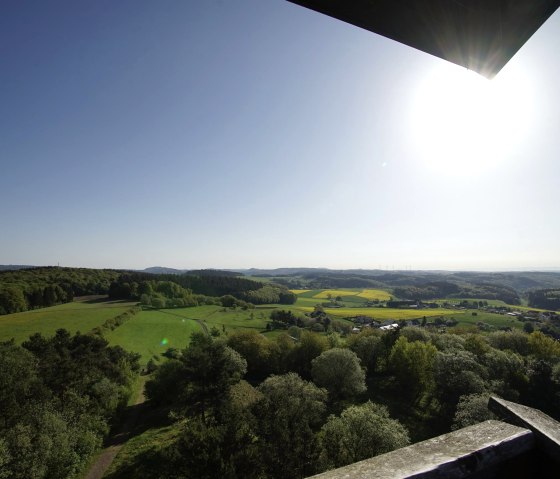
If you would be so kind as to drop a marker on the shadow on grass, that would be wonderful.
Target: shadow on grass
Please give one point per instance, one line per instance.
(105, 299)
(138, 419)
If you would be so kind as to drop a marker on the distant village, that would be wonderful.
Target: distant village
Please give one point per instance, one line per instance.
(528, 316)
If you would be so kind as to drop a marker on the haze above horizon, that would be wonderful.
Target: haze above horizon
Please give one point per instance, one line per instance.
(258, 133)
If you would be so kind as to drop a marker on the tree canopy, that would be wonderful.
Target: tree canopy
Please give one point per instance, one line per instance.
(339, 372)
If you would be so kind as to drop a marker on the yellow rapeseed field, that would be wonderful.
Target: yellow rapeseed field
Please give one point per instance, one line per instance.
(363, 293)
(375, 294)
(384, 313)
(334, 293)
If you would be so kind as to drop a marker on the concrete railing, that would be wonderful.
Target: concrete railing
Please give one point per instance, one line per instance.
(528, 448)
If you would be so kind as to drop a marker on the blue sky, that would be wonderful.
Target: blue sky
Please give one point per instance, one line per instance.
(256, 133)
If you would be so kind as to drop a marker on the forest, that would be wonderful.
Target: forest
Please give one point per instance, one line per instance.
(58, 399)
(27, 289)
(545, 299)
(242, 406)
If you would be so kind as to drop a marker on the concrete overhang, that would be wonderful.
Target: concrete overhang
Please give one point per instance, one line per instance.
(481, 35)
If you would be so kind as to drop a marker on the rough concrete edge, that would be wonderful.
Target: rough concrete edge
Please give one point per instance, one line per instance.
(491, 454)
(484, 458)
(545, 428)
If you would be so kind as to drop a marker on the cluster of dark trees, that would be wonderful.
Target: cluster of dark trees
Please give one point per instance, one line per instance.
(26, 289)
(545, 299)
(248, 290)
(318, 402)
(57, 399)
(269, 294)
(193, 290)
(158, 294)
(450, 290)
(280, 428)
(317, 321)
(14, 299)
(212, 285)
(168, 294)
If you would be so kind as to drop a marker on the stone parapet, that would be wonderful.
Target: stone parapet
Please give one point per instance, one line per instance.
(464, 453)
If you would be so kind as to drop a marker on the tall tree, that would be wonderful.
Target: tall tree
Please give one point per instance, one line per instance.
(200, 379)
(412, 364)
(309, 346)
(210, 368)
(339, 371)
(369, 348)
(12, 300)
(19, 382)
(289, 412)
(359, 433)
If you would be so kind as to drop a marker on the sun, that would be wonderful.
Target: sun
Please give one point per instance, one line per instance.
(464, 124)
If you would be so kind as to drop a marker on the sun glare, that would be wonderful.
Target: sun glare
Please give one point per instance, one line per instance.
(464, 124)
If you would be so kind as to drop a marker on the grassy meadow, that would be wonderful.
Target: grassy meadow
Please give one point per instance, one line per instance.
(466, 319)
(81, 315)
(152, 332)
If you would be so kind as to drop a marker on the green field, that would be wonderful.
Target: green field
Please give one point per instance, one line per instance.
(225, 318)
(238, 319)
(490, 302)
(81, 315)
(307, 293)
(495, 320)
(457, 301)
(151, 333)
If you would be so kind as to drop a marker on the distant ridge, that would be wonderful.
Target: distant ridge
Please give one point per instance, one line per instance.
(299, 271)
(14, 267)
(213, 272)
(163, 270)
(284, 271)
(193, 272)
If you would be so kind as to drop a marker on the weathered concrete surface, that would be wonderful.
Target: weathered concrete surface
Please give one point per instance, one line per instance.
(458, 454)
(546, 429)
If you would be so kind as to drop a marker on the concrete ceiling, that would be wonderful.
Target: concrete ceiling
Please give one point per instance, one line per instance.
(481, 35)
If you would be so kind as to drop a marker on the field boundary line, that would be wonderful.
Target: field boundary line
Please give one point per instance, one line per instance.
(198, 321)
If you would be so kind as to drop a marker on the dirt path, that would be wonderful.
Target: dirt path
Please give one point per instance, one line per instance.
(203, 326)
(117, 440)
